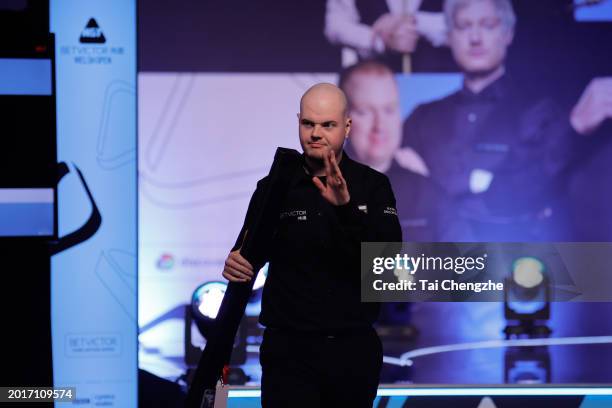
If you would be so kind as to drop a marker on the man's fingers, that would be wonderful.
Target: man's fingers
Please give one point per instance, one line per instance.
(232, 264)
(237, 256)
(335, 169)
(385, 23)
(234, 276)
(332, 166)
(319, 184)
(406, 27)
(327, 164)
(338, 180)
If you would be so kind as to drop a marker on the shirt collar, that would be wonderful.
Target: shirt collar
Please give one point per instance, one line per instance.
(495, 91)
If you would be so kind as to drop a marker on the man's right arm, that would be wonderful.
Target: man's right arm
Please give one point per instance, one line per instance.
(237, 268)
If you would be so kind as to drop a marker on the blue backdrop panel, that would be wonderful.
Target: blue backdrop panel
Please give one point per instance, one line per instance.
(94, 284)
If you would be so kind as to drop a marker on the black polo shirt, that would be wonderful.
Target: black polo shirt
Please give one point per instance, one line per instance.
(423, 207)
(314, 278)
(523, 142)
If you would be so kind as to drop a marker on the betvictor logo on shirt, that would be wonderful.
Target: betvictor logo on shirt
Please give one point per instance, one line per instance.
(300, 215)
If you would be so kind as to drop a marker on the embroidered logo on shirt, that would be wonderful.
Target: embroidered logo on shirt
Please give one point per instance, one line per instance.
(390, 211)
(300, 215)
(363, 207)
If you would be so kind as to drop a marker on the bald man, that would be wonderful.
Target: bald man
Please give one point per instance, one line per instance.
(319, 347)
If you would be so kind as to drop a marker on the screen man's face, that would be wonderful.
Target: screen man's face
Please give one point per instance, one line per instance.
(375, 110)
(479, 39)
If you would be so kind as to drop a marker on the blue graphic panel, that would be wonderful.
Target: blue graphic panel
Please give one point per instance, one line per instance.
(26, 212)
(25, 76)
(94, 276)
(26, 219)
(593, 11)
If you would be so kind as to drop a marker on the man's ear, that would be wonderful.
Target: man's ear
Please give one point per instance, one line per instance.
(347, 127)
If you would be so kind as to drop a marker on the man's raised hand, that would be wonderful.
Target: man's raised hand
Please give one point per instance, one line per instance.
(335, 191)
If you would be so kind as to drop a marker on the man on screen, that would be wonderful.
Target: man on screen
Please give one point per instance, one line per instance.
(376, 135)
(319, 347)
(374, 106)
(496, 149)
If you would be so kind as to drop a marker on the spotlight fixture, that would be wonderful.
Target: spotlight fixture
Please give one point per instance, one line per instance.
(205, 304)
(206, 300)
(527, 298)
(203, 309)
(527, 365)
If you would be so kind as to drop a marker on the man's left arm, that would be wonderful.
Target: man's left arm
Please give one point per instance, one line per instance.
(572, 138)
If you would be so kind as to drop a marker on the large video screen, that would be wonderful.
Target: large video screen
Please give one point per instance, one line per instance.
(524, 157)
(28, 167)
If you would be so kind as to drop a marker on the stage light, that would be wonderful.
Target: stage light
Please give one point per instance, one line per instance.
(528, 272)
(527, 365)
(527, 298)
(254, 305)
(260, 280)
(205, 304)
(206, 300)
